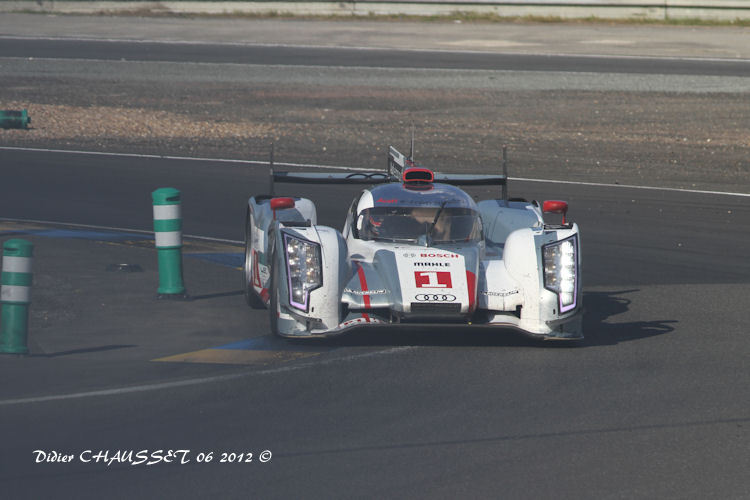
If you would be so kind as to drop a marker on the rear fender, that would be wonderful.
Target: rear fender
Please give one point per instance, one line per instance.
(303, 212)
(501, 218)
(263, 219)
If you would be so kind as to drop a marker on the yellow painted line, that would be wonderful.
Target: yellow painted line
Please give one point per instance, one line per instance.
(236, 356)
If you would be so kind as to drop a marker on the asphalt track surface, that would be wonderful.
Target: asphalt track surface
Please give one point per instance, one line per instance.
(348, 57)
(654, 403)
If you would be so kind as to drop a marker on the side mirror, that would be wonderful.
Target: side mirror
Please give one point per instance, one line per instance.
(281, 203)
(555, 207)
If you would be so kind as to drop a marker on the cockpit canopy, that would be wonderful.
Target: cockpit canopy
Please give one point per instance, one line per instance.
(436, 213)
(411, 224)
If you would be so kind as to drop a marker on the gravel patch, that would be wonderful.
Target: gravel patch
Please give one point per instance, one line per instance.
(69, 123)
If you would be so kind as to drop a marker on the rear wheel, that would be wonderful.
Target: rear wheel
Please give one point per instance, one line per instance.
(251, 297)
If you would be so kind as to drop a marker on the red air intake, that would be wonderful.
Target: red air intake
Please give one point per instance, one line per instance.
(417, 176)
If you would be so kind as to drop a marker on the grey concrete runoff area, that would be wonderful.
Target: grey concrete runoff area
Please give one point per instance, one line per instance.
(713, 10)
(642, 129)
(547, 38)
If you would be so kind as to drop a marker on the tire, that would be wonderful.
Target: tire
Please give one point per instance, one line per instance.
(251, 297)
(273, 290)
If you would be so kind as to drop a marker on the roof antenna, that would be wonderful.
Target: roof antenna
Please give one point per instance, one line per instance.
(411, 149)
(270, 171)
(505, 174)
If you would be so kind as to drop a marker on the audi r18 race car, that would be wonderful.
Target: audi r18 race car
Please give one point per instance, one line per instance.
(414, 249)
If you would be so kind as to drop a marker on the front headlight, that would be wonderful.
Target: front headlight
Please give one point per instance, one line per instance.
(304, 270)
(561, 271)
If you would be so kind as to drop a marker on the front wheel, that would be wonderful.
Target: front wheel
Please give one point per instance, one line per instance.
(251, 297)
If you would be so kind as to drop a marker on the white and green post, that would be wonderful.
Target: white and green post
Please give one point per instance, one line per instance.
(168, 237)
(15, 295)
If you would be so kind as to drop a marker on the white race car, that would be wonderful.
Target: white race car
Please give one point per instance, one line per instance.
(415, 249)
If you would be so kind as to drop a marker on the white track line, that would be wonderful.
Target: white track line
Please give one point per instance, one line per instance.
(182, 158)
(358, 169)
(198, 381)
(630, 186)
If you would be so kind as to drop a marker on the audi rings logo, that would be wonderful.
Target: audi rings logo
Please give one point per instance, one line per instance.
(435, 297)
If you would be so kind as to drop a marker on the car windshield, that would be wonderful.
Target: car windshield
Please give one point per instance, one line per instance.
(408, 224)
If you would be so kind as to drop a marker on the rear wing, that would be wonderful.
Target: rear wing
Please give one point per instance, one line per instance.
(397, 164)
(330, 178)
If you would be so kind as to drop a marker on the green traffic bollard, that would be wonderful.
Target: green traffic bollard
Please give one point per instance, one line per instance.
(15, 295)
(168, 236)
(14, 119)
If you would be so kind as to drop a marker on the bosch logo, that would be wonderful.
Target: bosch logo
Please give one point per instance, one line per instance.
(440, 255)
(435, 297)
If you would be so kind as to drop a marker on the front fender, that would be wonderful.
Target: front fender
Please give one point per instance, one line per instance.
(323, 307)
(523, 259)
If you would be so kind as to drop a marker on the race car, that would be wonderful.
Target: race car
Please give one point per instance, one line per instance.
(415, 249)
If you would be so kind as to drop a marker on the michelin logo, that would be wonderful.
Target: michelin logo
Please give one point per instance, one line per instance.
(503, 293)
(365, 292)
